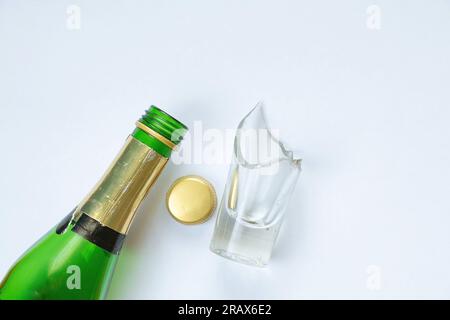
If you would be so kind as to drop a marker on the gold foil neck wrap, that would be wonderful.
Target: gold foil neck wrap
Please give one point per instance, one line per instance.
(114, 200)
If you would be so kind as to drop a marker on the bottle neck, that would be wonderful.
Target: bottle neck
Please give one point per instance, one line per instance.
(114, 200)
(152, 142)
(105, 215)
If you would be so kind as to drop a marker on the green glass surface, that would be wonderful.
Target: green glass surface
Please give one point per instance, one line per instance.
(60, 266)
(165, 125)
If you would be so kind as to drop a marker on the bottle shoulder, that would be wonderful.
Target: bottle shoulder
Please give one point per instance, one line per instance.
(60, 266)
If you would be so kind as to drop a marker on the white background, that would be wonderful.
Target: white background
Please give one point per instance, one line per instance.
(367, 109)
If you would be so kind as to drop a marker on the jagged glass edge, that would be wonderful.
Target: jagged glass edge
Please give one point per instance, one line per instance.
(288, 154)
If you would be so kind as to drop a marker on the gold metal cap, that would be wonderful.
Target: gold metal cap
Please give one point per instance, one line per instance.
(191, 200)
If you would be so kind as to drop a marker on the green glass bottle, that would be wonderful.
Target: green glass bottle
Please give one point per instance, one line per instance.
(76, 259)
